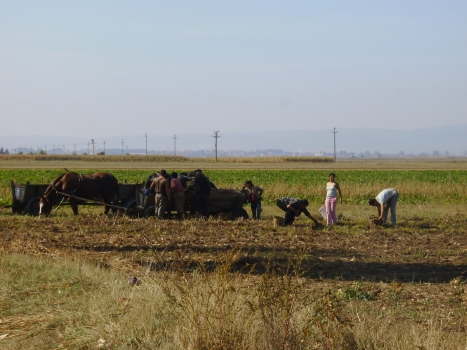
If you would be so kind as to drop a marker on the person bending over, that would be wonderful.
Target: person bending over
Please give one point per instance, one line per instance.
(386, 200)
(293, 207)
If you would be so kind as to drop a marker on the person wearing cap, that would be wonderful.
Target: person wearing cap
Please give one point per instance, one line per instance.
(161, 187)
(254, 198)
(293, 207)
(178, 194)
(386, 200)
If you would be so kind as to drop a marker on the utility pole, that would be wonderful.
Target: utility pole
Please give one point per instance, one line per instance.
(92, 142)
(122, 146)
(104, 147)
(146, 136)
(216, 136)
(175, 144)
(335, 132)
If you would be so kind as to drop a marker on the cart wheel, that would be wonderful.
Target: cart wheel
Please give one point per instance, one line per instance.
(239, 213)
(128, 201)
(131, 210)
(131, 205)
(33, 206)
(151, 211)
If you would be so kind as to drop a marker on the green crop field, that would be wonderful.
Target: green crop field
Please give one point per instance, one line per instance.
(415, 186)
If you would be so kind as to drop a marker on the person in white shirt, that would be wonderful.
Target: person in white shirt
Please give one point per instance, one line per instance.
(386, 200)
(332, 187)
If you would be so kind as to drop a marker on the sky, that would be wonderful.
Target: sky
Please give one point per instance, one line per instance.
(111, 68)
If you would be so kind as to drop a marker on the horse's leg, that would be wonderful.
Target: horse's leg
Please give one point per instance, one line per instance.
(106, 200)
(74, 205)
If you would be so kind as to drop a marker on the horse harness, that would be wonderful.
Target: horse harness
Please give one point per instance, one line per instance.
(84, 177)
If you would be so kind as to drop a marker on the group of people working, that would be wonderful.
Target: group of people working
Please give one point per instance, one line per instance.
(385, 201)
(173, 187)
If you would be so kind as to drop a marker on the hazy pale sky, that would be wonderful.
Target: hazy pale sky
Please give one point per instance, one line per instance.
(92, 68)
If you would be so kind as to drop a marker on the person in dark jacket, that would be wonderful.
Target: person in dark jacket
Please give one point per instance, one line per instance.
(202, 191)
(293, 207)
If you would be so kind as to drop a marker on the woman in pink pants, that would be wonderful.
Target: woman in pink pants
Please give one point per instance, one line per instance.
(331, 199)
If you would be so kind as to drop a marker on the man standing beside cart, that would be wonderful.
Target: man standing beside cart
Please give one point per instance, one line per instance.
(161, 187)
(202, 191)
(178, 194)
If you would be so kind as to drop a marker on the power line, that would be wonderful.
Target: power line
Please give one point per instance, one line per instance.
(216, 136)
(122, 147)
(146, 136)
(175, 144)
(335, 132)
(92, 142)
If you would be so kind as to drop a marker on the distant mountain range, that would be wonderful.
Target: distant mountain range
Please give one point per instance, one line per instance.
(452, 139)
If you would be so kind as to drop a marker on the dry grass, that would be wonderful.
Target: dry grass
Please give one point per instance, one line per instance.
(67, 284)
(89, 158)
(177, 162)
(156, 158)
(58, 303)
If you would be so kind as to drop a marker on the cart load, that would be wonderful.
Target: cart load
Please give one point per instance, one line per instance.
(221, 200)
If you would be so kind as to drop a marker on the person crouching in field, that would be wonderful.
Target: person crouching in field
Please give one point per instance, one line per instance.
(332, 187)
(386, 200)
(254, 197)
(293, 207)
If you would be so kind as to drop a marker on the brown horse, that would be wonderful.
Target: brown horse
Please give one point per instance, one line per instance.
(83, 186)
